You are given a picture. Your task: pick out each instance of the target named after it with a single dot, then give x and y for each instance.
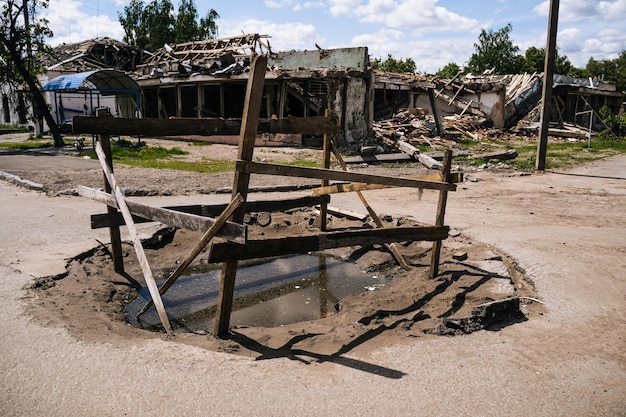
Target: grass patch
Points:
(558, 155)
(301, 162)
(29, 144)
(199, 143)
(205, 166)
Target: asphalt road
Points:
(567, 231)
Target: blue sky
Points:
(431, 32)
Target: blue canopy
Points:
(107, 82)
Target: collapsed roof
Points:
(214, 56)
(95, 54)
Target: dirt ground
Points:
(554, 240)
(90, 298)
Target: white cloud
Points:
(429, 55)
(576, 10)
(342, 7)
(422, 15)
(69, 24)
(284, 36)
(273, 4)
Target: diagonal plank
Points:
(198, 247)
(249, 167)
(233, 232)
(141, 256)
(391, 246)
(360, 186)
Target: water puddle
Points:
(282, 291)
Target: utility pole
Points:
(548, 79)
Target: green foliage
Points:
(150, 26)
(616, 124)
(23, 36)
(613, 70)
(450, 70)
(208, 25)
(24, 40)
(394, 65)
(495, 50)
(534, 60)
(27, 145)
(206, 166)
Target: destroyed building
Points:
(208, 79)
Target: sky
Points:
(431, 32)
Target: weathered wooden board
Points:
(333, 175)
(263, 248)
(359, 186)
(106, 220)
(202, 127)
(231, 231)
(379, 158)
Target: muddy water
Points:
(282, 291)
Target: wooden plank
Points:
(195, 251)
(333, 175)
(441, 212)
(499, 155)
(263, 248)
(455, 177)
(177, 126)
(141, 256)
(114, 231)
(105, 220)
(241, 182)
(424, 159)
(378, 159)
(346, 213)
(233, 232)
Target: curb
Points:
(19, 181)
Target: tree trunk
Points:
(41, 107)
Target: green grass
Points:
(205, 166)
(558, 154)
(124, 152)
(27, 145)
(8, 128)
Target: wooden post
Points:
(114, 231)
(548, 79)
(441, 212)
(433, 107)
(326, 164)
(141, 256)
(249, 124)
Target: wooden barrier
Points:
(239, 245)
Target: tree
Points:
(186, 27)
(22, 36)
(393, 65)
(613, 70)
(208, 26)
(150, 26)
(135, 28)
(496, 51)
(159, 19)
(534, 60)
(450, 70)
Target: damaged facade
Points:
(208, 79)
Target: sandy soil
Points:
(557, 238)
